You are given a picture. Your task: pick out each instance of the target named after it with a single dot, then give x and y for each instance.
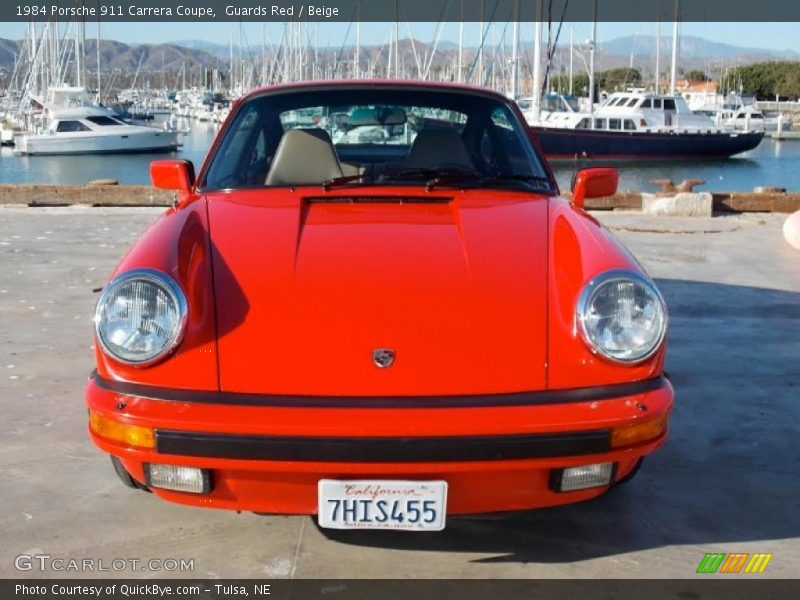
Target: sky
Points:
(769, 36)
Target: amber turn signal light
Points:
(122, 433)
(640, 432)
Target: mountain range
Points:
(690, 47)
(125, 57)
(638, 50)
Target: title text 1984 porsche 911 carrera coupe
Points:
(373, 306)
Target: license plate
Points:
(398, 505)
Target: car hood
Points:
(310, 285)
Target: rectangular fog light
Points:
(583, 477)
(179, 479)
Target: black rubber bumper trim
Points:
(382, 450)
(587, 394)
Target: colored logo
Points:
(735, 562)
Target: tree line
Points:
(611, 80)
(766, 80)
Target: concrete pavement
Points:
(727, 481)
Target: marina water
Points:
(771, 164)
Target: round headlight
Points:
(622, 316)
(140, 317)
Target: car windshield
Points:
(376, 136)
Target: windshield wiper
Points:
(431, 172)
(342, 180)
(443, 177)
(516, 177)
(412, 173)
(480, 179)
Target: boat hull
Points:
(560, 143)
(89, 143)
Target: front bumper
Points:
(497, 453)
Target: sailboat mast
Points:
(357, 52)
(480, 48)
(536, 97)
(98, 62)
(674, 49)
(515, 54)
(397, 40)
(571, 57)
(658, 55)
(77, 54)
(54, 78)
(390, 54)
(459, 70)
(263, 77)
(240, 67)
(592, 47)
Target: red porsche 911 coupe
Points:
(372, 305)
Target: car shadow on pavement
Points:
(729, 473)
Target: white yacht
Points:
(749, 118)
(635, 111)
(639, 125)
(706, 102)
(70, 124)
(552, 103)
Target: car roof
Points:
(398, 84)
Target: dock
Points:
(784, 135)
(111, 195)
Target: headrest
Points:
(434, 147)
(304, 157)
